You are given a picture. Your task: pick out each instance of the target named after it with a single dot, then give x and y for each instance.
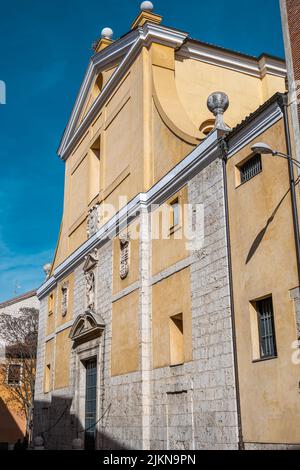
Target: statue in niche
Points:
(64, 299)
(90, 291)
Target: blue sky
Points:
(44, 50)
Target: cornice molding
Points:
(184, 171)
(272, 66)
(231, 60)
(98, 62)
(126, 50)
(256, 126)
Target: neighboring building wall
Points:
(13, 306)
(12, 419)
(290, 15)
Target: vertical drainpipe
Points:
(241, 445)
(283, 103)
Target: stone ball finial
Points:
(146, 6)
(107, 33)
(47, 268)
(217, 104)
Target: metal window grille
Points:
(90, 403)
(14, 374)
(266, 328)
(251, 168)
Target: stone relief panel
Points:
(64, 298)
(124, 255)
(93, 220)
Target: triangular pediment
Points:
(88, 325)
(90, 261)
(99, 81)
(102, 76)
(114, 61)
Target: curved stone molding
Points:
(170, 108)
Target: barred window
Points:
(266, 328)
(251, 168)
(14, 374)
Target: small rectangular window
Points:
(250, 168)
(175, 219)
(51, 304)
(176, 340)
(47, 385)
(266, 328)
(14, 374)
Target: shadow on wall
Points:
(259, 237)
(58, 426)
(10, 430)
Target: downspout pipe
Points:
(283, 103)
(241, 445)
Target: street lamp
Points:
(265, 149)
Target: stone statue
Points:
(64, 299)
(90, 291)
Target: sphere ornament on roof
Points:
(107, 33)
(217, 104)
(47, 268)
(146, 6)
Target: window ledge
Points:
(177, 365)
(263, 359)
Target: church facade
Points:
(169, 318)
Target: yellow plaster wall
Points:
(196, 80)
(170, 297)
(148, 124)
(125, 338)
(269, 389)
(133, 274)
(78, 190)
(121, 166)
(59, 318)
(166, 252)
(78, 235)
(49, 359)
(62, 359)
(12, 417)
(168, 150)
